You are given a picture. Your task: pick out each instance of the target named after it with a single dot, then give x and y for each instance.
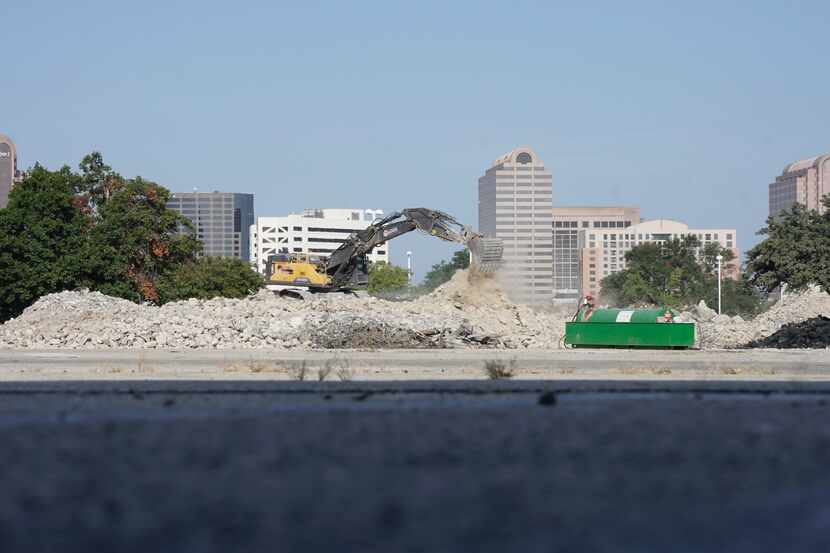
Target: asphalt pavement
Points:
(429, 465)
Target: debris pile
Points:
(812, 333)
(722, 331)
(460, 314)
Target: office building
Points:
(804, 182)
(602, 250)
(567, 224)
(514, 204)
(222, 220)
(8, 168)
(314, 231)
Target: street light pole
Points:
(719, 258)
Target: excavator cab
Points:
(296, 269)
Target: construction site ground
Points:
(396, 365)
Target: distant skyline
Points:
(686, 110)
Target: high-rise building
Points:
(567, 252)
(804, 182)
(222, 220)
(602, 250)
(514, 204)
(8, 168)
(314, 231)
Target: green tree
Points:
(386, 278)
(42, 237)
(93, 229)
(98, 181)
(796, 251)
(208, 277)
(678, 272)
(442, 272)
(136, 240)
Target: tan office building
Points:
(804, 182)
(567, 224)
(602, 251)
(514, 204)
(589, 243)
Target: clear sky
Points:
(687, 109)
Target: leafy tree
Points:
(98, 181)
(442, 272)
(209, 277)
(42, 236)
(136, 240)
(94, 229)
(678, 272)
(796, 251)
(386, 278)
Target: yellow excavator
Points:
(346, 268)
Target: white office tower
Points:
(514, 204)
(314, 231)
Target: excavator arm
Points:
(345, 261)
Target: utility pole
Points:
(719, 258)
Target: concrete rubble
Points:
(459, 314)
(722, 331)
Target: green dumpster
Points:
(628, 328)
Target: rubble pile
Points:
(723, 331)
(812, 333)
(461, 313)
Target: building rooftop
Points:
(805, 163)
(515, 156)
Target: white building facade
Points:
(603, 249)
(514, 204)
(314, 231)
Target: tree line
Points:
(93, 228)
(795, 252)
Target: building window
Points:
(584, 224)
(298, 228)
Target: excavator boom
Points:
(343, 262)
(346, 267)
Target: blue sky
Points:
(686, 109)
